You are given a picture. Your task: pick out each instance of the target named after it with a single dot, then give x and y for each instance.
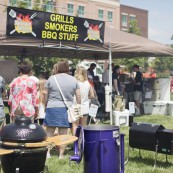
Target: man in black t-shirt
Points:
(90, 70)
(116, 81)
(138, 88)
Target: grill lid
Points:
(23, 130)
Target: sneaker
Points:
(96, 120)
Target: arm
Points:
(10, 94)
(115, 84)
(78, 96)
(45, 94)
(34, 93)
(91, 93)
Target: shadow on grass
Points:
(151, 161)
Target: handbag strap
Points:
(65, 101)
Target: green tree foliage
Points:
(133, 27)
(45, 64)
(37, 5)
(163, 66)
(142, 62)
(129, 62)
(22, 4)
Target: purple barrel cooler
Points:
(102, 147)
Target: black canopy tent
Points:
(117, 44)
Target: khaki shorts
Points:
(138, 96)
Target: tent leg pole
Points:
(110, 84)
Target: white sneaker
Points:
(96, 120)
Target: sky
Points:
(160, 18)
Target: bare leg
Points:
(74, 126)
(50, 132)
(137, 112)
(83, 121)
(62, 131)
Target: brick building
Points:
(110, 11)
(130, 13)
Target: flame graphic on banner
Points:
(23, 24)
(93, 31)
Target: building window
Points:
(110, 16)
(28, 3)
(100, 15)
(50, 6)
(124, 20)
(132, 17)
(13, 2)
(70, 8)
(81, 11)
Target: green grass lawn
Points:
(135, 163)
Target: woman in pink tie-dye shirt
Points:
(23, 98)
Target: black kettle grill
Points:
(25, 158)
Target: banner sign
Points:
(43, 25)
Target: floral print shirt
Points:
(23, 93)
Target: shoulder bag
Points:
(74, 111)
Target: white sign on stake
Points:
(131, 107)
(93, 110)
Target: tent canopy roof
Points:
(123, 45)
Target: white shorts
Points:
(138, 96)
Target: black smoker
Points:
(23, 159)
(151, 137)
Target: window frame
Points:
(124, 23)
(100, 16)
(50, 6)
(110, 19)
(70, 11)
(81, 12)
(132, 17)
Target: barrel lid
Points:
(101, 127)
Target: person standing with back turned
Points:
(87, 93)
(137, 88)
(23, 98)
(56, 110)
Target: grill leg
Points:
(128, 155)
(155, 160)
(166, 158)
